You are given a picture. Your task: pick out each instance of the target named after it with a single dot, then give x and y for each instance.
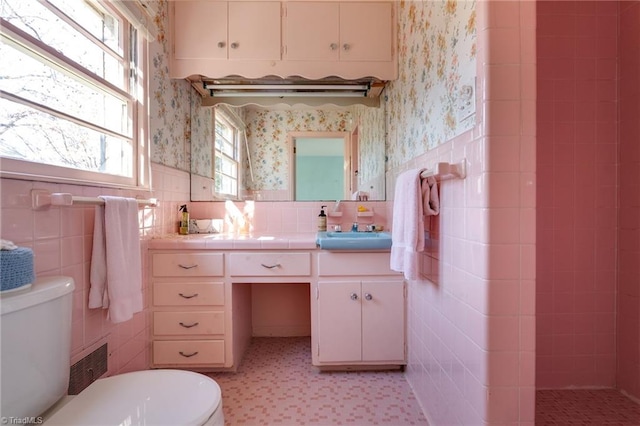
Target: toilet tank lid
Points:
(43, 290)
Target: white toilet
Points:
(35, 362)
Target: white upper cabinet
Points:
(312, 31)
(254, 30)
(349, 39)
(189, 40)
(327, 31)
(227, 30)
(366, 31)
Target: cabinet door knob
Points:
(235, 45)
(354, 296)
(368, 296)
(189, 325)
(188, 355)
(346, 46)
(188, 297)
(333, 46)
(221, 44)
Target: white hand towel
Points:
(116, 267)
(407, 233)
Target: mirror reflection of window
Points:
(227, 156)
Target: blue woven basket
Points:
(16, 268)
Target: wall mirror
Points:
(268, 167)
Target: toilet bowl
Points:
(34, 373)
(152, 397)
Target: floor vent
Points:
(87, 370)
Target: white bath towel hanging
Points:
(116, 267)
(407, 233)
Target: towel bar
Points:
(41, 199)
(444, 171)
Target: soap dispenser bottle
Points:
(322, 220)
(184, 220)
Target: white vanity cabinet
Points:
(358, 311)
(190, 318)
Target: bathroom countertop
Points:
(254, 241)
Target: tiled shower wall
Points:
(577, 193)
(628, 320)
(471, 323)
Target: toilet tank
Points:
(35, 333)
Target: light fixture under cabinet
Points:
(236, 90)
(287, 94)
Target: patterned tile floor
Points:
(601, 407)
(277, 385)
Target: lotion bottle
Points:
(322, 220)
(184, 220)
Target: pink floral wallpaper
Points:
(169, 111)
(371, 146)
(437, 55)
(201, 146)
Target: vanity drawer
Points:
(358, 264)
(188, 352)
(269, 264)
(188, 264)
(188, 294)
(188, 323)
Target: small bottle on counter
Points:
(184, 220)
(322, 220)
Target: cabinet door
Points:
(254, 30)
(366, 31)
(383, 313)
(312, 31)
(339, 321)
(200, 30)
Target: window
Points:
(227, 157)
(70, 92)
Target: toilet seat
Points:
(151, 397)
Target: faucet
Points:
(354, 227)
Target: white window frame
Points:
(227, 121)
(32, 170)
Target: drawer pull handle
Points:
(188, 355)
(277, 265)
(189, 325)
(354, 296)
(188, 297)
(368, 296)
(187, 267)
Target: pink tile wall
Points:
(577, 194)
(472, 317)
(61, 238)
(628, 319)
(291, 216)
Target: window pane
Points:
(31, 79)
(28, 134)
(229, 167)
(101, 25)
(41, 23)
(224, 130)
